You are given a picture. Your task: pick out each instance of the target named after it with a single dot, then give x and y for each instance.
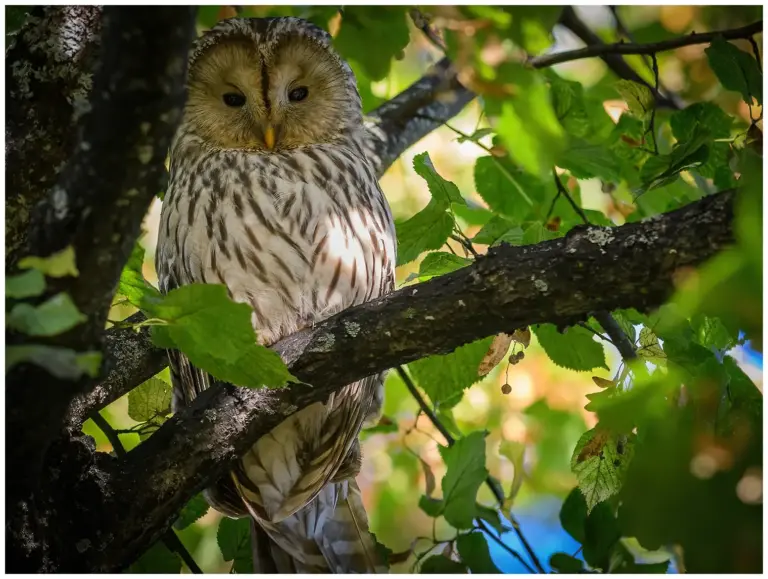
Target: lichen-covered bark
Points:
(560, 281)
(48, 74)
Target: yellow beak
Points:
(269, 137)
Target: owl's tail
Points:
(329, 535)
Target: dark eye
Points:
(298, 94)
(233, 99)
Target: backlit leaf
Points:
(575, 349)
(60, 264)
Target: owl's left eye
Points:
(233, 99)
(298, 94)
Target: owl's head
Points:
(265, 84)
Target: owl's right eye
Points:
(233, 99)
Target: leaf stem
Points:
(170, 538)
(492, 483)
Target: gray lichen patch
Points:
(539, 284)
(352, 328)
(600, 235)
(323, 343)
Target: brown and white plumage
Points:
(272, 196)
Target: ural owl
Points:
(271, 195)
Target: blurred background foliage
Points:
(694, 484)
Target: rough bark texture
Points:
(96, 205)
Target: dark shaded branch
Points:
(613, 60)
(511, 287)
(170, 538)
(418, 110)
(607, 50)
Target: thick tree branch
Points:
(418, 110)
(600, 50)
(561, 281)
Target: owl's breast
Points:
(297, 238)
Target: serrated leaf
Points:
(192, 511)
(625, 324)
(499, 230)
(711, 333)
(432, 507)
(157, 559)
(649, 347)
(444, 377)
(60, 264)
(234, 540)
(661, 170)
(428, 229)
(505, 188)
(444, 191)
(382, 27)
(150, 400)
(216, 335)
(736, 70)
(25, 285)
(441, 564)
(54, 316)
(132, 284)
(599, 461)
(474, 552)
(564, 563)
(638, 97)
(716, 120)
(465, 463)
(438, 263)
(497, 351)
(63, 363)
(575, 349)
(585, 161)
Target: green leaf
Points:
(528, 124)
(575, 349)
(234, 539)
(132, 284)
(473, 549)
(441, 564)
(737, 70)
(60, 264)
(62, 363)
(531, 27)
(444, 191)
(432, 507)
(438, 263)
(25, 285)
(505, 188)
(157, 559)
(192, 511)
(54, 316)
(499, 230)
(649, 347)
(573, 514)
(586, 161)
(663, 169)
(711, 333)
(716, 120)
(600, 461)
(465, 463)
(476, 136)
(625, 324)
(601, 535)
(564, 563)
(536, 233)
(216, 335)
(444, 377)
(372, 26)
(428, 229)
(555, 432)
(150, 400)
(638, 97)
(491, 516)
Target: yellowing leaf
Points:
(495, 354)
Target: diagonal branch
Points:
(511, 287)
(618, 48)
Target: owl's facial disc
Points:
(243, 96)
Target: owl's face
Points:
(250, 94)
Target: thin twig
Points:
(652, 124)
(484, 526)
(618, 337)
(492, 483)
(170, 538)
(422, 22)
(756, 50)
(595, 332)
(597, 50)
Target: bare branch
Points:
(651, 48)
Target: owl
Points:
(271, 195)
